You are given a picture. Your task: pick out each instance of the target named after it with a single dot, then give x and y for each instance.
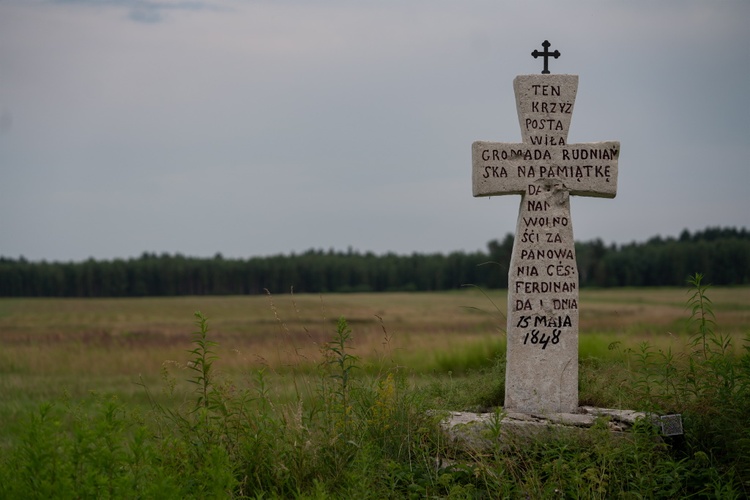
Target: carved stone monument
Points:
(542, 331)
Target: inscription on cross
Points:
(542, 329)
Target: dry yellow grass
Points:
(129, 337)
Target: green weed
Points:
(710, 386)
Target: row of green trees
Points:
(722, 255)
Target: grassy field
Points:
(75, 346)
(80, 345)
(121, 338)
(448, 345)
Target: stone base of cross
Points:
(542, 332)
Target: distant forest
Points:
(721, 254)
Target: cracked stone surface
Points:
(475, 430)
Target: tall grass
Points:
(351, 428)
(708, 382)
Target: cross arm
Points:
(509, 168)
(492, 169)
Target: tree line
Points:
(721, 254)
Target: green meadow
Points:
(318, 396)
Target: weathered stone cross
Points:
(542, 330)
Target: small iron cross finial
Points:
(546, 55)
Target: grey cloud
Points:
(146, 11)
(6, 122)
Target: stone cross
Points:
(542, 332)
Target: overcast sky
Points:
(253, 128)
